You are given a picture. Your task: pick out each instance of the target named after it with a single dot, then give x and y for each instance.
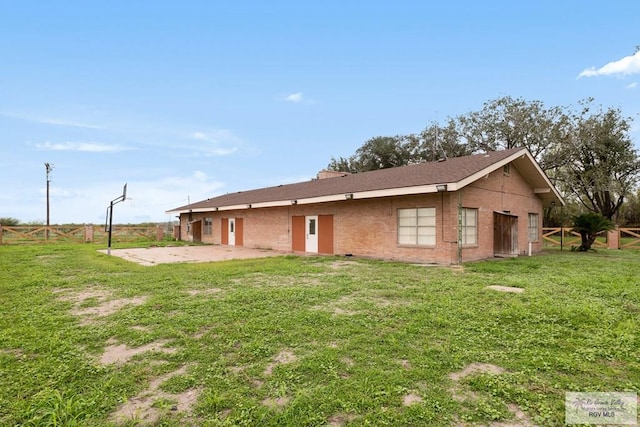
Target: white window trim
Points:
(429, 230)
(465, 227)
(536, 226)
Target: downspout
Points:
(460, 227)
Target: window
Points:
(208, 226)
(533, 227)
(469, 221)
(417, 226)
(506, 169)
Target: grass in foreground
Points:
(311, 340)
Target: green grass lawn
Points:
(311, 341)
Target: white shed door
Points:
(232, 231)
(311, 230)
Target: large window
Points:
(417, 226)
(208, 226)
(469, 226)
(533, 229)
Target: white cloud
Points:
(60, 122)
(625, 66)
(294, 97)
(632, 85)
(51, 121)
(219, 142)
(92, 147)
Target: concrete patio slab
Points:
(207, 253)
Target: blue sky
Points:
(187, 100)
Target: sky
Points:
(186, 100)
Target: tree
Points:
(436, 142)
(508, 122)
(629, 213)
(381, 152)
(8, 221)
(589, 225)
(587, 155)
(601, 165)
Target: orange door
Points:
(297, 234)
(224, 231)
(239, 231)
(325, 234)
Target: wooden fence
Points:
(25, 234)
(620, 238)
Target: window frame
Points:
(531, 226)
(465, 228)
(424, 234)
(207, 226)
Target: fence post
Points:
(159, 233)
(88, 233)
(613, 238)
(0, 234)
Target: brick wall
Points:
(369, 227)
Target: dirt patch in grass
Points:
(15, 352)
(105, 305)
(277, 402)
(202, 332)
(336, 307)
(510, 289)
(342, 312)
(79, 297)
(209, 291)
(340, 419)
(457, 268)
(108, 307)
(476, 368)
(411, 399)
(336, 265)
(261, 280)
(462, 394)
(281, 358)
(141, 407)
(121, 353)
(348, 361)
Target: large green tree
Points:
(436, 142)
(508, 122)
(600, 164)
(381, 152)
(588, 154)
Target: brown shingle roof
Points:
(448, 171)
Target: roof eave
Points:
(551, 197)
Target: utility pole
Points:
(48, 168)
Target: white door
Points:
(232, 231)
(311, 230)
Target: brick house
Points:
(460, 209)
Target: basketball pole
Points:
(110, 215)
